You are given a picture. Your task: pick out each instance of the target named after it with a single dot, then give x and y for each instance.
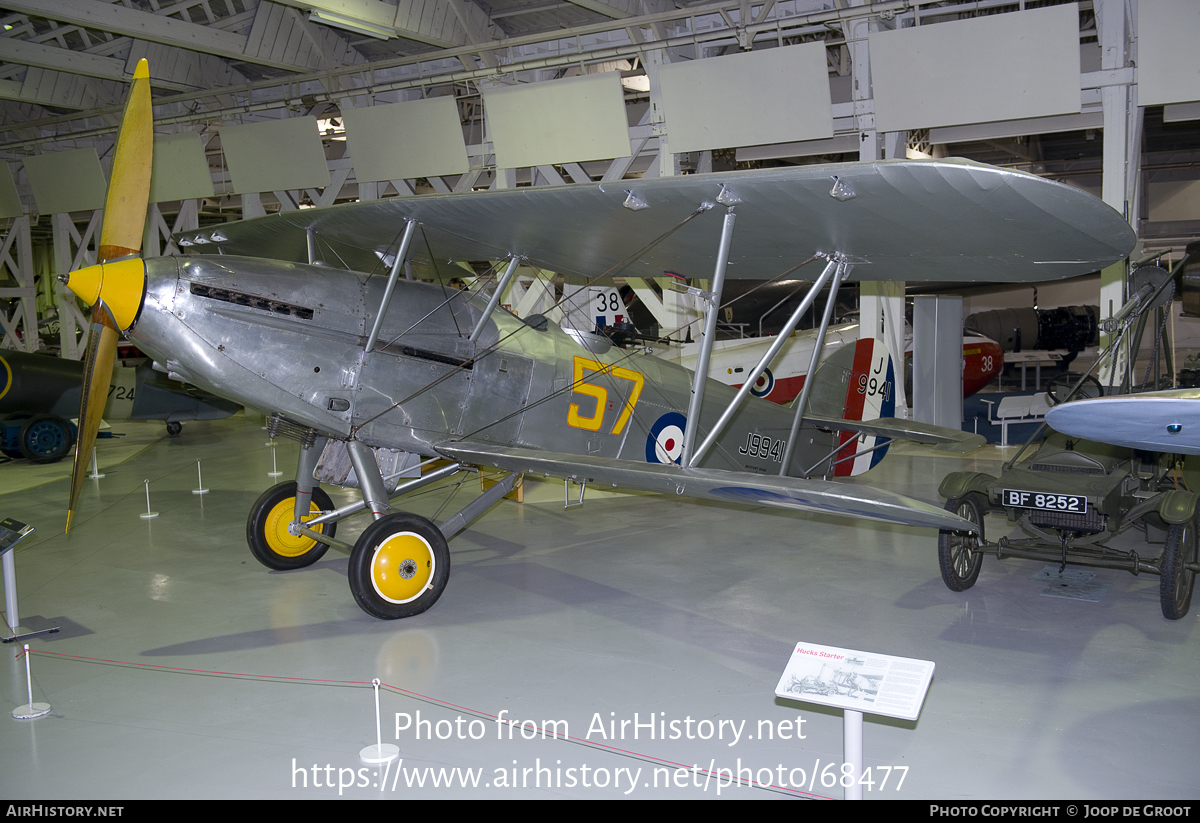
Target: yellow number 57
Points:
(580, 421)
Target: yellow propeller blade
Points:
(97, 375)
(121, 236)
(129, 187)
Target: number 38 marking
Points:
(577, 419)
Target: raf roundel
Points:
(763, 385)
(665, 441)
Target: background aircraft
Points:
(369, 372)
(983, 359)
(39, 394)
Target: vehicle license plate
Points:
(1042, 500)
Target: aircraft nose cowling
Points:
(121, 284)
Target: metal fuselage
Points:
(289, 338)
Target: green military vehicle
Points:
(1070, 498)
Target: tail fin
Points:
(856, 383)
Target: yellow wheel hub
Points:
(281, 541)
(402, 567)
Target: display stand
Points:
(379, 752)
(149, 515)
(13, 532)
(199, 481)
(96, 473)
(857, 682)
(29, 710)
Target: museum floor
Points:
(186, 669)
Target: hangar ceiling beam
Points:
(60, 59)
(441, 23)
(263, 46)
(174, 69)
(114, 58)
(620, 9)
(42, 87)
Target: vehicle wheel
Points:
(174, 428)
(958, 552)
(45, 439)
(1060, 385)
(267, 529)
(1177, 581)
(399, 566)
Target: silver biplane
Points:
(306, 314)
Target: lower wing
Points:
(749, 489)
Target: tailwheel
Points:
(267, 529)
(399, 566)
(1177, 581)
(958, 552)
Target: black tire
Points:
(174, 428)
(1060, 385)
(267, 534)
(45, 438)
(399, 567)
(1177, 581)
(958, 554)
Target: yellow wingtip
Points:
(142, 72)
(68, 528)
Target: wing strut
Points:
(765, 361)
(509, 271)
(843, 268)
(706, 341)
(401, 253)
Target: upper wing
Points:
(757, 490)
(907, 220)
(1164, 421)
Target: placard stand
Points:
(13, 532)
(857, 682)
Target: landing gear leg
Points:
(305, 483)
(370, 481)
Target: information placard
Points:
(862, 681)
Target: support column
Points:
(1121, 160)
(869, 144)
(71, 251)
(535, 297)
(156, 239)
(252, 206)
(668, 165)
(937, 360)
(676, 313)
(18, 327)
